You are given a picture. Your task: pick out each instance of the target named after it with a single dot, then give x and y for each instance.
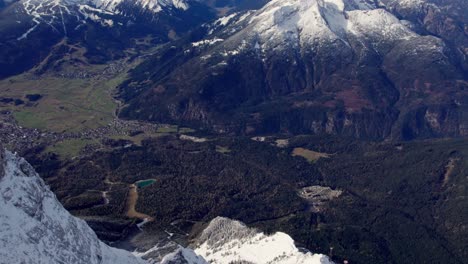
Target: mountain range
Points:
(103, 29)
(390, 69)
(366, 69)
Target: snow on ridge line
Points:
(110, 5)
(323, 20)
(152, 5)
(410, 3)
(51, 12)
(208, 42)
(225, 241)
(183, 255)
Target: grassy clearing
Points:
(67, 104)
(310, 155)
(30, 119)
(137, 140)
(71, 147)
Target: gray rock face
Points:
(2, 157)
(35, 228)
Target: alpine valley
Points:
(233, 131)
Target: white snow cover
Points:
(208, 42)
(410, 3)
(225, 241)
(223, 21)
(153, 5)
(324, 21)
(52, 12)
(110, 5)
(35, 228)
(183, 255)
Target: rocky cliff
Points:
(35, 228)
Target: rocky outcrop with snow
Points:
(313, 24)
(183, 256)
(34, 7)
(151, 5)
(35, 228)
(58, 13)
(227, 241)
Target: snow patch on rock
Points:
(227, 241)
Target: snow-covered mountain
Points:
(356, 67)
(151, 5)
(39, 9)
(183, 256)
(35, 228)
(227, 241)
(29, 29)
(318, 23)
(62, 15)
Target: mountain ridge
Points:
(226, 241)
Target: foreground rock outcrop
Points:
(227, 241)
(35, 228)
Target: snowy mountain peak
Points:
(35, 228)
(151, 5)
(183, 256)
(227, 241)
(66, 16)
(107, 5)
(323, 21)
